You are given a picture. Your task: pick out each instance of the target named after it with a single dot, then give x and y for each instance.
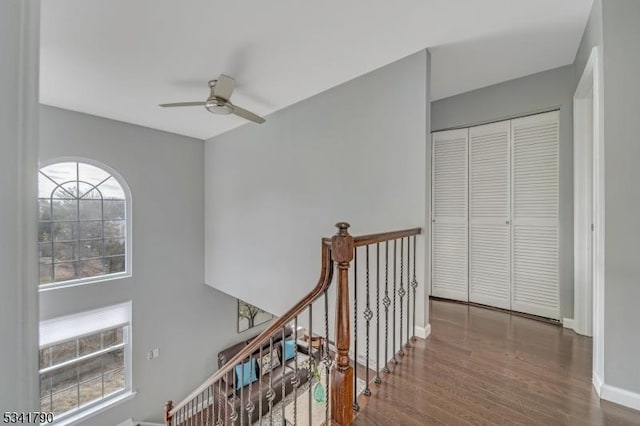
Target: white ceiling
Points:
(120, 58)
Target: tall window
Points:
(85, 360)
(82, 232)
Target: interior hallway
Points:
(481, 366)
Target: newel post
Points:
(341, 382)
(167, 412)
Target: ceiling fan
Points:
(219, 102)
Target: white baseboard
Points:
(597, 383)
(620, 396)
(569, 323)
(131, 422)
(423, 332)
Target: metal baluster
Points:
(294, 379)
(356, 406)
(395, 275)
(408, 342)
(220, 401)
(386, 302)
(271, 393)
(204, 412)
(401, 291)
(414, 286)
(234, 416)
(378, 379)
(210, 406)
(201, 405)
(241, 405)
(226, 401)
(368, 315)
(250, 406)
(326, 360)
(311, 359)
(260, 390)
(283, 388)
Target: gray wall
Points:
(18, 157)
(551, 89)
(622, 198)
(355, 152)
(172, 309)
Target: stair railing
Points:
(240, 393)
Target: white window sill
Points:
(83, 281)
(83, 415)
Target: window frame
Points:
(113, 398)
(128, 256)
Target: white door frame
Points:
(588, 151)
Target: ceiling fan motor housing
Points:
(218, 106)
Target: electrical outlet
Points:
(155, 353)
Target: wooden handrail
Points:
(338, 250)
(326, 275)
(365, 240)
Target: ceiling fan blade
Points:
(224, 87)
(182, 104)
(241, 112)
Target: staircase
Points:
(318, 381)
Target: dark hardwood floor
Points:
(480, 366)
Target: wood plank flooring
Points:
(486, 367)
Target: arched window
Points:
(83, 230)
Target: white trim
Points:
(589, 201)
(584, 140)
(620, 396)
(597, 383)
(132, 422)
(569, 323)
(128, 258)
(83, 281)
(27, 212)
(84, 415)
(423, 332)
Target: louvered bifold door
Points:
(449, 227)
(535, 249)
(489, 213)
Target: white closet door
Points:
(489, 212)
(449, 228)
(535, 249)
